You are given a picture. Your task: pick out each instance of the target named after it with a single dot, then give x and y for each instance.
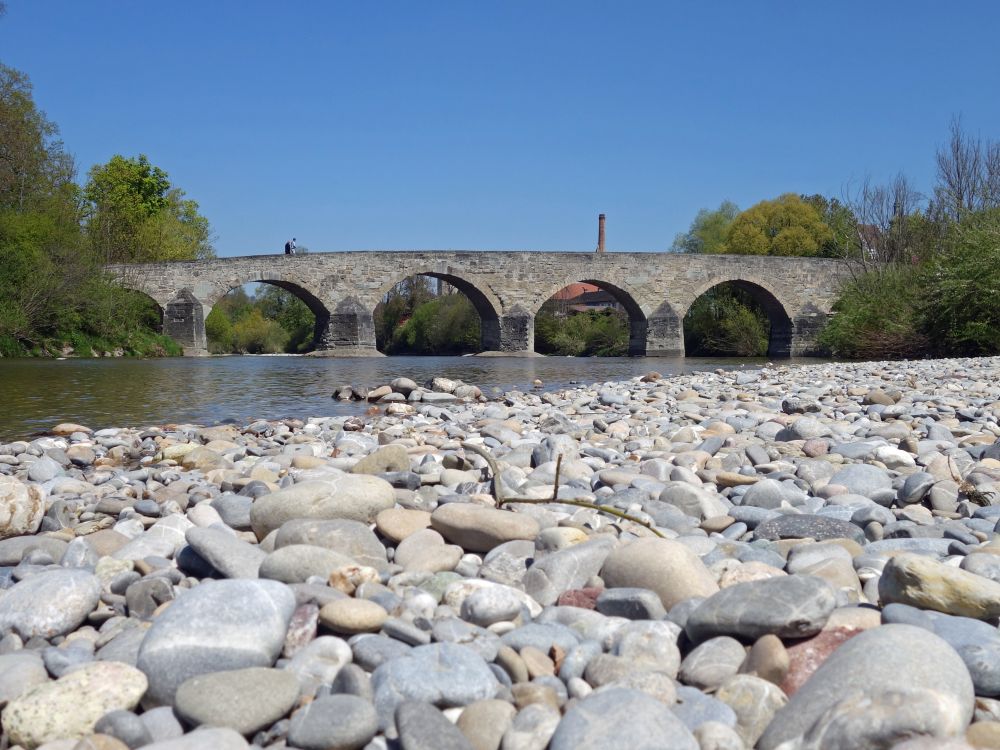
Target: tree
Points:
(845, 242)
(968, 175)
(890, 224)
(134, 215)
(708, 230)
(34, 167)
(786, 225)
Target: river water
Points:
(37, 394)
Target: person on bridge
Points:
(290, 247)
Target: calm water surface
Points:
(37, 394)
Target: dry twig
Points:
(504, 500)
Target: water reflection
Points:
(37, 394)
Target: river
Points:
(40, 393)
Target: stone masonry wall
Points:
(507, 289)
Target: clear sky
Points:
(503, 125)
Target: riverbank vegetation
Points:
(421, 315)
(56, 234)
(268, 321)
(926, 267)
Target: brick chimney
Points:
(600, 233)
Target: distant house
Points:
(573, 290)
(596, 300)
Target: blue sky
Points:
(503, 125)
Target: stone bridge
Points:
(506, 288)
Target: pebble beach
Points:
(784, 558)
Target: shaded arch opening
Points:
(737, 318)
(435, 313)
(591, 317)
(265, 316)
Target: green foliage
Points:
(708, 230)
(594, 333)
(876, 317)
(444, 325)
(960, 305)
(272, 320)
(134, 215)
(255, 334)
(844, 241)
(726, 321)
(787, 225)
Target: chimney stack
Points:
(600, 233)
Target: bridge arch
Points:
(485, 302)
(624, 293)
(764, 294)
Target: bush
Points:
(726, 321)
(445, 325)
(594, 333)
(959, 309)
(254, 334)
(876, 317)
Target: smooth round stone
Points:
(789, 607)
(126, 726)
(49, 603)
(423, 727)
(334, 722)
(229, 555)
(804, 525)
(350, 538)
(398, 523)
(356, 497)
(246, 700)
(319, 662)
(767, 659)
(569, 568)
(712, 662)
(444, 674)
(754, 701)
(694, 708)
(620, 717)
(351, 616)
(925, 583)
(205, 738)
(21, 507)
(385, 459)
(977, 642)
(71, 706)
(216, 626)
(667, 567)
(532, 728)
(296, 563)
(862, 479)
(491, 604)
(19, 672)
(876, 663)
(484, 722)
(477, 528)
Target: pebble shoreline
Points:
(816, 568)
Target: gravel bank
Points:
(803, 558)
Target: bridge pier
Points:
(349, 329)
(184, 322)
(805, 334)
(516, 333)
(664, 333)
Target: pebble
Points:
(352, 582)
(70, 706)
(242, 699)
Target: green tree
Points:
(708, 231)
(726, 321)
(134, 215)
(786, 225)
(291, 313)
(844, 241)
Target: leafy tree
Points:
(291, 313)
(34, 167)
(255, 334)
(708, 230)
(845, 240)
(134, 215)
(786, 225)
